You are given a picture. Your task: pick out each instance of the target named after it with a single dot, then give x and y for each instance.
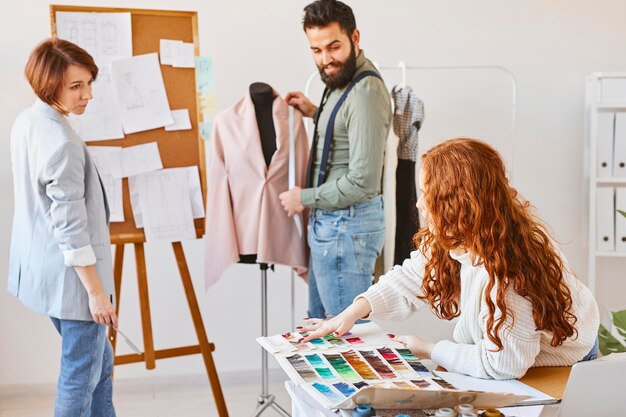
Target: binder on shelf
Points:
(605, 139)
(605, 218)
(619, 147)
(613, 90)
(620, 221)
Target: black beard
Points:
(345, 74)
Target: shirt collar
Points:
(360, 60)
(463, 258)
(48, 110)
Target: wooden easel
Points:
(150, 355)
(177, 149)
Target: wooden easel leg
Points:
(205, 347)
(117, 276)
(144, 303)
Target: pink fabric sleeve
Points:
(220, 240)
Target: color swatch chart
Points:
(334, 368)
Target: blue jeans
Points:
(344, 246)
(85, 387)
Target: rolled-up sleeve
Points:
(63, 178)
(395, 295)
(520, 339)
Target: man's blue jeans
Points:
(344, 246)
(85, 386)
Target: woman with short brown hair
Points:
(60, 263)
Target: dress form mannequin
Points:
(262, 96)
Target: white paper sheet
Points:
(113, 189)
(107, 37)
(165, 205)
(141, 158)
(108, 159)
(119, 162)
(188, 174)
(101, 120)
(181, 120)
(184, 55)
(140, 93)
(167, 49)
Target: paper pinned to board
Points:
(181, 120)
(188, 175)
(108, 160)
(205, 75)
(164, 202)
(184, 55)
(107, 37)
(206, 129)
(101, 119)
(113, 189)
(119, 162)
(177, 53)
(205, 88)
(207, 102)
(167, 49)
(142, 158)
(140, 93)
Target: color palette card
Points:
(343, 360)
(329, 394)
(365, 363)
(366, 334)
(291, 342)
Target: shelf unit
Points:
(605, 93)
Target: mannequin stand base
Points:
(264, 402)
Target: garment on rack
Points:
(407, 216)
(407, 119)
(408, 116)
(389, 203)
(244, 214)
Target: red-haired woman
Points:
(60, 263)
(484, 261)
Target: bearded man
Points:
(346, 222)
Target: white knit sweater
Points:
(471, 352)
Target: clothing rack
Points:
(403, 68)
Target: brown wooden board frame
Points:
(177, 148)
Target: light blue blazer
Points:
(61, 216)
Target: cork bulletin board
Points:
(179, 148)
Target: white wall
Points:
(549, 45)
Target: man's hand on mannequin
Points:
(298, 100)
(291, 201)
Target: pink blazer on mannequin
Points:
(244, 214)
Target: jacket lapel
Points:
(280, 113)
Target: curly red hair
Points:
(473, 206)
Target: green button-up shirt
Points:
(357, 149)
